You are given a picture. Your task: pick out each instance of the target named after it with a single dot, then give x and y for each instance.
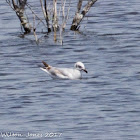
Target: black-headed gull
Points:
(65, 73)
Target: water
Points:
(104, 105)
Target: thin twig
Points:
(63, 9)
(28, 5)
(55, 20)
(47, 16)
(9, 3)
(43, 10)
(67, 16)
(34, 30)
(14, 5)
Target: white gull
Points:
(65, 73)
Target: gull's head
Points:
(80, 66)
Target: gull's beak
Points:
(85, 70)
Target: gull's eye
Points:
(79, 67)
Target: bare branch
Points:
(34, 31)
(87, 7)
(43, 10)
(22, 3)
(67, 16)
(14, 5)
(63, 8)
(9, 3)
(79, 5)
(20, 13)
(55, 20)
(78, 17)
(47, 16)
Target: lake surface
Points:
(104, 105)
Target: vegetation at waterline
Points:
(52, 16)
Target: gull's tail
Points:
(46, 68)
(45, 64)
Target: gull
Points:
(65, 73)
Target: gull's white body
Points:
(64, 73)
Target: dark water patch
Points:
(16, 107)
(113, 34)
(5, 74)
(88, 99)
(121, 51)
(80, 50)
(41, 120)
(108, 110)
(102, 49)
(51, 95)
(124, 91)
(99, 83)
(27, 102)
(134, 111)
(132, 13)
(68, 48)
(133, 56)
